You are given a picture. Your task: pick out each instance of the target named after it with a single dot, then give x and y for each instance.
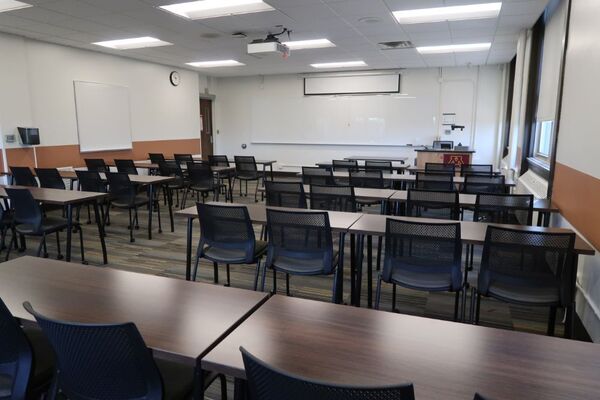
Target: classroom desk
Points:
(264, 163)
(340, 222)
(376, 158)
(395, 166)
(67, 199)
(472, 233)
(444, 360)
(179, 320)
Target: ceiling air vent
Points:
(402, 44)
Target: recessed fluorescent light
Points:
(133, 43)
(454, 48)
(11, 5)
(453, 13)
(308, 44)
(217, 63)
(343, 64)
(216, 8)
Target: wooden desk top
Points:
(444, 360)
(543, 205)
(365, 193)
(179, 319)
(450, 151)
(56, 196)
(139, 179)
(471, 232)
(375, 158)
(263, 162)
(339, 221)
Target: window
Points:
(543, 139)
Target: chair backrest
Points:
(345, 165)
(183, 158)
(440, 168)
(227, 227)
(417, 246)
(101, 361)
(121, 188)
(332, 198)
(218, 160)
(91, 181)
(535, 257)
(434, 181)
(96, 164)
(433, 204)
(475, 184)
(285, 194)
(268, 383)
(504, 208)
(201, 175)
(170, 168)
(27, 210)
(384, 166)
(245, 166)
(15, 354)
(300, 235)
(23, 176)
(476, 169)
(317, 176)
(367, 179)
(50, 178)
(156, 158)
(443, 144)
(126, 166)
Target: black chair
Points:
(383, 166)
(345, 165)
(227, 236)
(126, 166)
(181, 181)
(443, 144)
(50, 178)
(102, 361)
(6, 223)
(218, 161)
(96, 164)
(156, 158)
(29, 220)
(433, 204)
(372, 179)
(246, 170)
(475, 184)
(422, 256)
(124, 194)
(222, 161)
(26, 359)
(317, 176)
(504, 208)
(333, 198)
(437, 168)
(527, 268)
(201, 181)
(91, 181)
(300, 243)
(285, 194)
(434, 181)
(23, 176)
(476, 169)
(269, 383)
(183, 159)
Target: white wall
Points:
(36, 89)
(235, 98)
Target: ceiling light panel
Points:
(342, 64)
(216, 8)
(11, 5)
(453, 13)
(454, 48)
(133, 43)
(309, 44)
(216, 63)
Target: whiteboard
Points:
(389, 83)
(103, 116)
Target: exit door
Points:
(206, 134)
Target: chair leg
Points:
(197, 262)
(158, 215)
(60, 256)
(378, 293)
(393, 297)
(136, 220)
(287, 284)
(131, 238)
(274, 282)
(264, 277)
(81, 246)
(379, 246)
(456, 301)
(228, 275)
(551, 321)
(256, 275)
(477, 307)
(184, 200)
(223, 382)
(215, 272)
(89, 220)
(41, 245)
(13, 242)
(256, 192)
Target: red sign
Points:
(457, 159)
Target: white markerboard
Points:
(356, 84)
(103, 116)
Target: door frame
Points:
(212, 98)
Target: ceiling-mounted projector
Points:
(270, 45)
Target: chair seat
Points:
(43, 358)
(525, 291)
(299, 266)
(233, 256)
(50, 224)
(432, 278)
(248, 177)
(5, 386)
(138, 201)
(367, 201)
(203, 188)
(178, 379)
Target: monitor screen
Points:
(29, 136)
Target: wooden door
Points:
(206, 135)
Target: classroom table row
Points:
(204, 325)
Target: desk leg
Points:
(360, 240)
(150, 208)
(100, 223)
(188, 250)
(69, 230)
(570, 315)
(352, 268)
(370, 271)
(170, 205)
(339, 282)
(198, 391)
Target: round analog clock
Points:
(175, 78)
